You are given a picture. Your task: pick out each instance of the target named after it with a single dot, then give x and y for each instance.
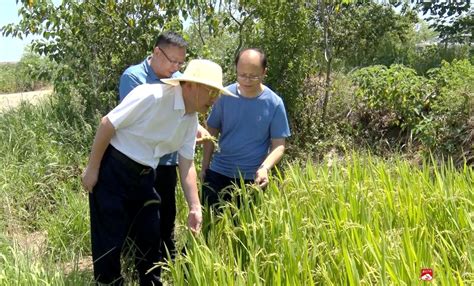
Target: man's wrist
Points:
(195, 208)
(264, 167)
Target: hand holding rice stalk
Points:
(211, 139)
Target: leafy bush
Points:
(397, 106)
(425, 58)
(311, 134)
(32, 72)
(391, 101)
(7, 78)
(451, 106)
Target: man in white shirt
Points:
(153, 120)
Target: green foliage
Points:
(32, 72)
(452, 19)
(394, 103)
(94, 41)
(397, 90)
(422, 59)
(350, 221)
(451, 106)
(286, 35)
(369, 34)
(8, 78)
(313, 135)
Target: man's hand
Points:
(261, 177)
(202, 175)
(202, 135)
(195, 219)
(89, 178)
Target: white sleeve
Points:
(189, 145)
(133, 106)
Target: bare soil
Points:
(12, 100)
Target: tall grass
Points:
(43, 210)
(357, 221)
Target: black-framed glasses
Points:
(180, 64)
(248, 77)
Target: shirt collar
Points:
(149, 71)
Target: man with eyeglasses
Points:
(252, 130)
(168, 57)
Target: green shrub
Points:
(390, 103)
(425, 58)
(397, 107)
(310, 134)
(451, 106)
(7, 78)
(32, 72)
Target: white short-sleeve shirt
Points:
(151, 122)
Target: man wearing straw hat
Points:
(153, 120)
(166, 60)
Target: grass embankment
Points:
(358, 221)
(44, 215)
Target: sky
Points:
(11, 49)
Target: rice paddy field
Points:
(349, 220)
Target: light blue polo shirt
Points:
(137, 75)
(246, 126)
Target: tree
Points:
(370, 33)
(454, 20)
(281, 30)
(93, 41)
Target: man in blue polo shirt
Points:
(168, 57)
(252, 129)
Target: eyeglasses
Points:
(213, 92)
(180, 64)
(248, 77)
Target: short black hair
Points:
(263, 57)
(170, 38)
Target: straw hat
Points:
(203, 72)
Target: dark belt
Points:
(129, 163)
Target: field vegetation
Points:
(377, 182)
(32, 72)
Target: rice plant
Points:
(359, 220)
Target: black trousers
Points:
(124, 210)
(216, 186)
(165, 185)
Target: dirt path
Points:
(12, 100)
